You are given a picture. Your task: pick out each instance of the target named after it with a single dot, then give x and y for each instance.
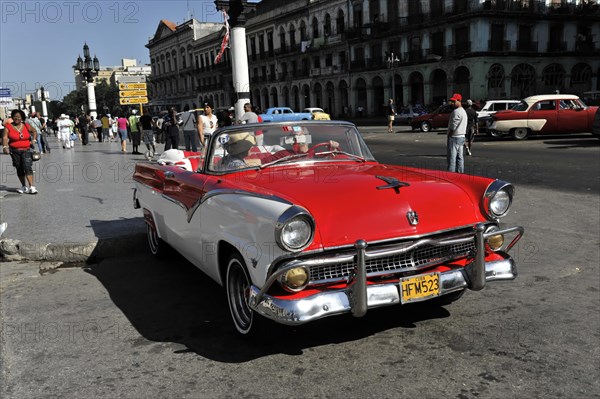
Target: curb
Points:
(17, 250)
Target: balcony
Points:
(459, 49)
(315, 72)
(358, 64)
(438, 51)
(499, 45)
(414, 55)
(527, 46)
(555, 47)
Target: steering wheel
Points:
(329, 146)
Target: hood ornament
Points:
(413, 218)
(392, 182)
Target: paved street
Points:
(134, 327)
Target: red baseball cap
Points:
(456, 97)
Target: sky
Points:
(41, 40)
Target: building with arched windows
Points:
(342, 54)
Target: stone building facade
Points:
(341, 54)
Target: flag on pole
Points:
(225, 42)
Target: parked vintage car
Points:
(596, 126)
(309, 225)
(318, 114)
(484, 115)
(544, 114)
(433, 120)
(285, 114)
(407, 114)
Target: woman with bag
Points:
(17, 140)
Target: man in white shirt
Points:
(65, 127)
(457, 129)
(207, 123)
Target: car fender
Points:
(247, 223)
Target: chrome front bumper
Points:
(358, 296)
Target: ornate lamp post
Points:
(236, 11)
(88, 68)
(43, 100)
(392, 63)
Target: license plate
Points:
(419, 288)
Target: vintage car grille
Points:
(420, 257)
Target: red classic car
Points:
(433, 120)
(544, 114)
(298, 222)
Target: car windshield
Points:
(260, 146)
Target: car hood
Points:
(349, 201)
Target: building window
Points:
(340, 22)
(292, 36)
(282, 39)
(315, 28)
(327, 26)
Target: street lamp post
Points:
(88, 68)
(43, 99)
(392, 63)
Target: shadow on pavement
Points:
(175, 302)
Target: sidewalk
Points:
(83, 209)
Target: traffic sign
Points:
(133, 100)
(133, 93)
(132, 86)
(4, 92)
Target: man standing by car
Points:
(472, 125)
(457, 129)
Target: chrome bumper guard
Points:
(358, 296)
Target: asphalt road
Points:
(137, 328)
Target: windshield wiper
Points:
(335, 152)
(284, 159)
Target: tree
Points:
(106, 96)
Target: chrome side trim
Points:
(330, 303)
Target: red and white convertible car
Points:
(298, 221)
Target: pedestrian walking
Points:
(34, 122)
(207, 122)
(105, 127)
(160, 133)
(44, 138)
(136, 135)
(391, 115)
(146, 123)
(84, 129)
(171, 126)
(97, 124)
(472, 125)
(122, 123)
(249, 116)
(17, 140)
(190, 130)
(65, 128)
(114, 128)
(457, 129)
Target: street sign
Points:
(133, 93)
(4, 92)
(132, 86)
(133, 100)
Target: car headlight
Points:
(497, 199)
(294, 230)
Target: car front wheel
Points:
(238, 295)
(425, 127)
(520, 133)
